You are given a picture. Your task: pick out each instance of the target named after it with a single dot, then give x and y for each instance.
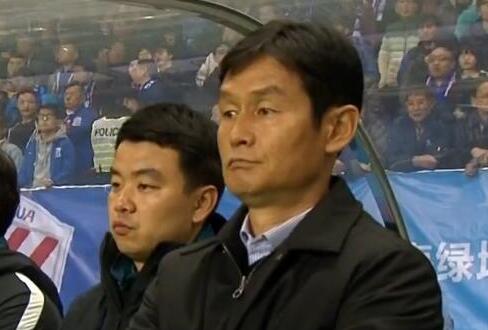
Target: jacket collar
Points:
(324, 228)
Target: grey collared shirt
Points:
(263, 245)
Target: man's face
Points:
(15, 66)
(406, 8)
(427, 31)
(116, 53)
(440, 63)
(67, 54)
(267, 138)
(137, 71)
(73, 97)
(467, 61)
(419, 106)
(27, 105)
(47, 121)
(148, 203)
(480, 101)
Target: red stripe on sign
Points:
(43, 250)
(17, 238)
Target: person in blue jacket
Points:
(79, 120)
(49, 155)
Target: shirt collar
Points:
(276, 235)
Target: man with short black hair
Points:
(28, 298)
(301, 253)
(28, 106)
(166, 183)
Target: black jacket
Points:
(110, 304)
(404, 144)
(25, 291)
(470, 133)
(337, 270)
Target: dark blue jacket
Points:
(404, 144)
(63, 161)
(78, 128)
(154, 91)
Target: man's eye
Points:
(146, 187)
(229, 114)
(265, 111)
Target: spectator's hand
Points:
(428, 162)
(471, 168)
(478, 152)
(131, 104)
(46, 183)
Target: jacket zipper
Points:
(244, 280)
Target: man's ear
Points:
(339, 126)
(205, 202)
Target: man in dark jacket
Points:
(301, 253)
(28, 298)
(419, 139)
(166, 182)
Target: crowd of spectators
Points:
(65, 91)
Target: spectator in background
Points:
(399, 38)
(67, 56)
(49, 157)
(419, 140)
(26, 46)
(413, 68)
(469, 70)
(144, 54)
(103, 136)
(449, 11)
(150, 90)
(211, 63)
(441, 79)
(478, 33)
(166, 182)
(28, 298)
(472, 131)
(466, 19)
(16, 66)
(28, 106)
(8, 148)
(469, 62)
(79, 120)
(366, 52)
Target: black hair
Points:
(424, 19)
(28, 90)
(412, 89)
(448, 42)
(75, 83)
(9, 192)
(55, 109)
(188, 132)
(327, 63)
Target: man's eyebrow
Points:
(267, 90)
(149, 172)
(144, 171)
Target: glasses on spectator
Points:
(432, 59)
(45, 117)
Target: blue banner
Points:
(446, 214)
